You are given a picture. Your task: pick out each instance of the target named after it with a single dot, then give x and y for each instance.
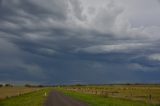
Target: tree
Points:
(1, 85)
(8, 85)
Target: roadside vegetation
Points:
(35, 98)
(115, 95)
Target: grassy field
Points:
(6, 92)
(94, 100)
(113, 95)
(116, 95)
(35, 98)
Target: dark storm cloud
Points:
(28, 8)
(58, 42)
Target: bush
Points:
(28, 85)
(34, 86)
(8, 85)
(1, 85)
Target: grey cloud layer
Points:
(49, 39)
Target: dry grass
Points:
(6, 92)
(36, 98)
(144, 93)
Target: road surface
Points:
(58, 99)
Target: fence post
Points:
(150, 98)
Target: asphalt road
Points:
(58, 99)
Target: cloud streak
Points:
(114, 48)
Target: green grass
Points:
(36, 98)
(94, 100)
(144, 93)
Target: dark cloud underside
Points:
(72, 41)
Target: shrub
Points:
(1, 85)
(8, 85)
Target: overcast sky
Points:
(79, 41)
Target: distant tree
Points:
(40, 86)
(1, 85)
(128, 84)
(8, 85)
(78, 85)
(28, 85)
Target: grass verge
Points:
(36, 98)
(94, 100)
